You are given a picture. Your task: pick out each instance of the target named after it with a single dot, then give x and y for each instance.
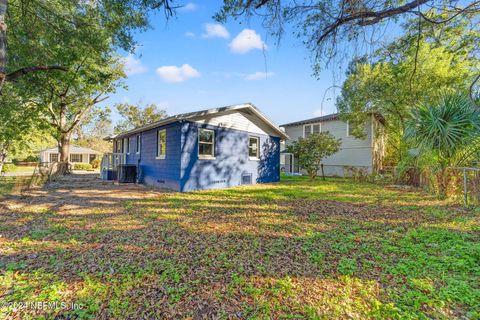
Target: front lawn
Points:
(297, 249)
(13, 184)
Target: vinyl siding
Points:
(354, 152)
(163, 173)
(238, 120)
(231, 160)
(182, 170)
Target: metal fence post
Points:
(465, 187)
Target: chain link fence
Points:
(462, 184)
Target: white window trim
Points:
(128, 145)
(138, 143)
(311, 128)
(161, 156)
(348, 129)
(75, 155)
(257, 158)
(203, 156)
(307, 125)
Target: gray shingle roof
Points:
(328, 117)
(73, 149)
(199, 114)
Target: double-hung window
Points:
(349, 129)
(206, 143)
(161, 144)
(127, 145)
(53, 157)
(138, 143)
(253, 147)
(308, 129)
(75, 157)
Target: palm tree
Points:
(449, 131)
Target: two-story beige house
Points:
(366, 154)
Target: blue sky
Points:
(191, 63)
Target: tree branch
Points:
(367, 18)
(13, 76)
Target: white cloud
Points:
(133, 66)
(318, 113)
(177, 74)
(190, 34)
(259, 75)
(214, 30)
(188, 7)
(245, 41)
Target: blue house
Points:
(215, 148)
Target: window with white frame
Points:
(206, 143)
(119, 146)
(253, 147)
(138, 143)
(127, 145)
(161, 144)
(308, 129)
(53, 157)
(75, 157)
(349, 130)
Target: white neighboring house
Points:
(77, 154)
(366, 154)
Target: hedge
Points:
(82, 166)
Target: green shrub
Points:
(31, 158)
(95, 163)
(82, 166)
(9, 167)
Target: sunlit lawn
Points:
(10, 185)
(291, 250)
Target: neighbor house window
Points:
(53, 157)
(161, 144)
(253, 147)
(308, 129)
(349, 130)
(206, 143)
(138, 143)
(75, 157)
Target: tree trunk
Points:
(64, 153)
(441, 182)
(3, 43)
(3, 156)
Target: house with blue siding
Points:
(214, 148)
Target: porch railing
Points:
(110, 163)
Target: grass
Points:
(23, 169)
(10, 185)
(297, 249)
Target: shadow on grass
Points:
(293, 249)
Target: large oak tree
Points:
(47, 24)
